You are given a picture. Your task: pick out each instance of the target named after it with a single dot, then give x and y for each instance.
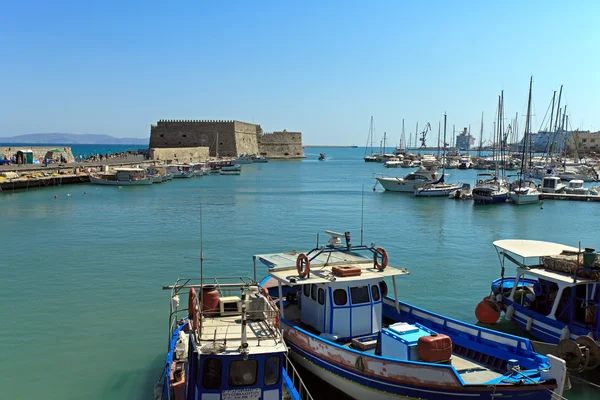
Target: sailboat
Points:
(525, 191)
(491, 188)
(372, 157)
(438, 188)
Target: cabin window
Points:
(313, 292)
(243, 372)
(359, 295)
(211, 374)
(375, 292)
(272, 370)
(306, 290)
(321, 296)
(340, 298)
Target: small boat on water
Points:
(554, 297)
(525, 191)
(225, 342)
(414, 180)
(437, 189)
(235, 169)
(181, 171)
(122, 177)
(340, 324)
(490, 189)
(465, 163)
(576, 186)
(322, 157)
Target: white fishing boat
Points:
(552, 184)
(122, 177)
(576, 186)
(393, 163)
(340, 324)
(415, 180)
(181, 171)
(243, 159)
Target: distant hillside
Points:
(70, 138)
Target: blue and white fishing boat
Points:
(341, 325)
(224, 343)
(554, 296)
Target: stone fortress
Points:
(195, 140)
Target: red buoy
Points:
(487, 312)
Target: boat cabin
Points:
(228, 347)
(554, 283)
(552, 184)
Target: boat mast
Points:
(416, 134)
(444, 153)
(526, 134)
(550, 143)
(371, 132)
(217, 146)
(438, 146)
(480, 136)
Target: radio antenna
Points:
(362, 213)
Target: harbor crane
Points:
(424, 135)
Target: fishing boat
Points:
(576, 186)
(257, 159)
(394, 162)
(225, 342)
(554, 297)
(465, 163)
(234, 169)
(414, 180)
(243, 159)
(181, 171)
(340, 324)
(552, 184)
(122, 177)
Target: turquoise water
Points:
(83, 312)
(84, 149)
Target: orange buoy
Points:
(487, 311)
(303, 265)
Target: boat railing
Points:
(297, 382)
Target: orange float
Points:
(380, 252)
(303, 265)
(487, 311)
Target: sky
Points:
(319, 67)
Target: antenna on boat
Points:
(362, 213)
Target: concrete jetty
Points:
(572, 197)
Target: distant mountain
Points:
(70, 138)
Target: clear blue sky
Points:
(320, 67)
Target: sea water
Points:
(83, 313)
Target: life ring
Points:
(303, 265)
(192, 309)
(384, 258)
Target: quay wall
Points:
(180, 154)
(281, 145)
(38, 151)
(228, 138)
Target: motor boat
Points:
(552, 184)
(414, 180)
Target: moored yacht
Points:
(576, 186)
(340, 324)
(410, 182)
(490, 189)
(122, 177)
(552, 184)
(524, 191)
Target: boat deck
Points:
(470, 371)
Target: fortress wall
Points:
(281, 145)
(245, 138)
(180, 154)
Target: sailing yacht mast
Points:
(480, 136)
(526, 135)
(444, 153)
(438, 146)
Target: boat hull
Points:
(108, 182)
(400, 185)
(486, 198)
(521, 199)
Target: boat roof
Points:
(554, 276)
(282, 267)
(533, 248)
(124, 169)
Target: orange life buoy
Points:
(384, 258)
(303, 265)
(192, 309)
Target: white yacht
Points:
(524, 192)
(576, 187)
(181, 171)
(410, 182)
